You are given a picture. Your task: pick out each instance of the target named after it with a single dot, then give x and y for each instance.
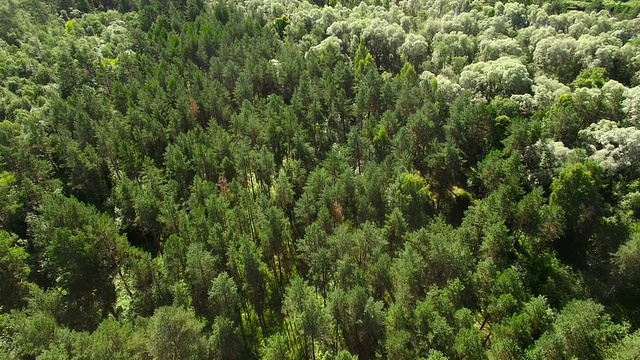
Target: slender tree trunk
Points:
(484, 322)
(124, 282)
(282, 288)
(313, 348)
(486, 340)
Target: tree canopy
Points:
(339, 179)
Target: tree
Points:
(395, 229)
(383, 40)
(625, 273)
(408, 100)
(444, 169)
(174, 333)
(448, 47)
(149, 206)
(591, 78)
(113, 340)
(577, 192)
(407, 273)
(496, 170)
(314, 250)
(627, 348)
(468, 344)
(200, 271)
(414, 50)
(504, 76)
(276, 240)
(224, 297)
(13, 272)
(81, 251)
(556, 56)
(614, 148)
(32, 331)
(582, 330)
(368, 84)
(563, 122)
(251, 271)
(276, 348)
(414, 202)
(445, 256)
(225, 341)
(517, 333)
(473, 130)
(432, 329)
(631, 105)
(359, 318)
(398, 345)
(305, 311)
(493, 49)
(547, 90)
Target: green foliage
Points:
(175, 333)
(113, 340)
(577, 192)
(581, 330)
(627, 348)
(363, 60)
(307, 313)
(591, 78)
(81, 251)
(327, 180)
(13, 272)
(225, 340)
(280, 24)
(415, 201)
(276, 348)
(69, 26)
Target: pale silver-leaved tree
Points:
(504, 76)
(616, 149)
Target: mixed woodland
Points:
(341, 179)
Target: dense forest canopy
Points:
(341, 179)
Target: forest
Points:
(319, 179)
